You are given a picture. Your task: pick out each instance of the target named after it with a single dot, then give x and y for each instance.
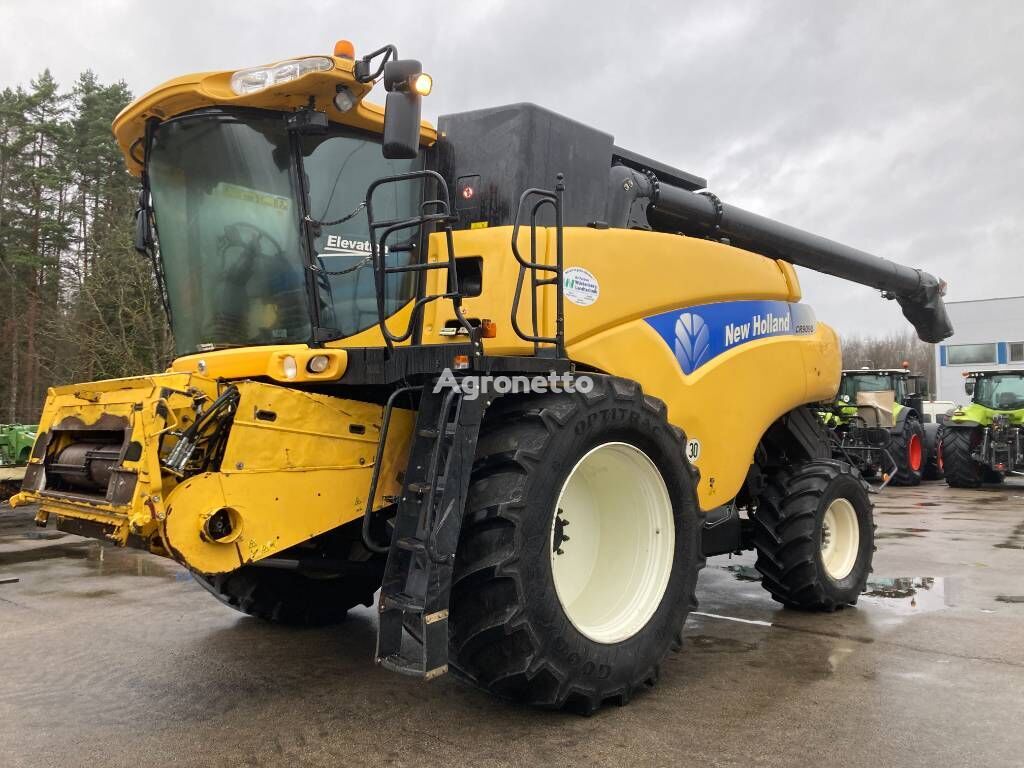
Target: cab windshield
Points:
(1000, 392)
(238, 267)
(869, 382)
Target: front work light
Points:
(257, 78)
(344, 99)
(318, 363)
(289, 367)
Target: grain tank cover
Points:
(491, 155)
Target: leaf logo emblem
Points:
(693, 341)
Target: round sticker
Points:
(693, 449)
(581, 286)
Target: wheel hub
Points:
(611, 579)
(840, 538)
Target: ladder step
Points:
(405, 665)
(403, 602)
(421, 488)
(411, 544)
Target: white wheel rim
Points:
(840, 539)
(611, 572)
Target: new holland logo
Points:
(697, 335)
(693, 341)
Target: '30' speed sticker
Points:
(693, 449)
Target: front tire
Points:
(962, 471)
(815, 534)
(303, 598)
(600, 478)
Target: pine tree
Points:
(76, 302)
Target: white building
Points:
(988, 334)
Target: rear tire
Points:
(961, 470)
(908, 451)
(814, 534)
(512, 635)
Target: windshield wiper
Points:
(213, 347)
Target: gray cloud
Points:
(894, 127)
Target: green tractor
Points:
(16, 444)
(876, 425)
(982, 442)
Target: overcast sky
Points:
(895, 127)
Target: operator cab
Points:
(998, 390)
(259, 201)
(263, 231)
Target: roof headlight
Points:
(254, 79)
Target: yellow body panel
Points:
(295, 465)
(208, 89)
(726, 404)
(287, 480)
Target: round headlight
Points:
(290, 367)
(318, 363)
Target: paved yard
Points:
(111, 657)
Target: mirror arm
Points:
(362, 71)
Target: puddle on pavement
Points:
(904, 534)
(1015, 540)
(43, 535)
(1010, 598)
(710, 644)
(98, 559)
(904, 595)
(910, 594)
(926, 504)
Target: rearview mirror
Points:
(969, 387)
(402, 110)
(143, 224)
(143, 232)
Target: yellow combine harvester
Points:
(519, 379)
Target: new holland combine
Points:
(984, 441)
(342, 280)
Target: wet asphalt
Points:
(117, 658)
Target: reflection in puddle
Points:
(902, 594)
(97, 558)
(910, 594)
(743, 572)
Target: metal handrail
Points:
(554, 199)
(424, 223)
